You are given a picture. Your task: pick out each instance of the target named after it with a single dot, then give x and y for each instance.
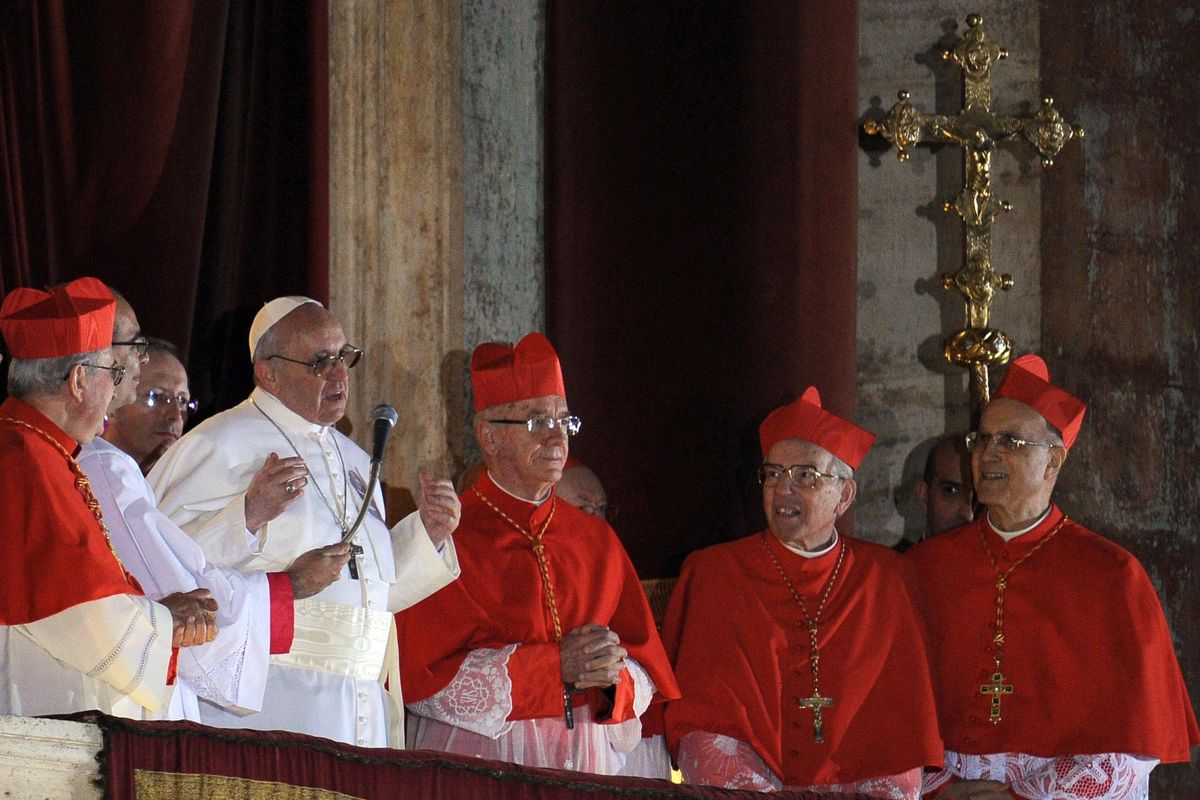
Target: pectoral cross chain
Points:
(996, 689)
(815, 704)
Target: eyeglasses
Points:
(152, 398)
(802, 476)
(348, 356)
(542, 425)
(118, 373)
(142, 344)
(605, 511)
(977, 442)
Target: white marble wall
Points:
(48, 759)
(907, 393)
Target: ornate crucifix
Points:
(977, 130)
(816, 704)
(996, 689)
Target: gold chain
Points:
(81, 483)
(814, 654)
(997, 686)
(539, 552)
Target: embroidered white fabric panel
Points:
(1098, 776)
(479, 699)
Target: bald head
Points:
(580, 487)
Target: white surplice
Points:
(331, 684)
(230, 671)
(109, 654)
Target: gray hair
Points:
(840, 468)
(33, 376)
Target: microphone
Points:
(383, 419)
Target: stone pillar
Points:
(396, 221)
(503, 253)
(907, 393)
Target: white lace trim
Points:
(1100, 776)
(730, 763)
(479, 699)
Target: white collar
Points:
(813, 553)
(283, 416)
(516, 497)
(1008, 536)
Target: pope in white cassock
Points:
(269, 480)
(254, 611)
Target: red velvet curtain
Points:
(178, 150)
(184, 760)
(701, 218)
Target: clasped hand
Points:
(591, 656)
(194, 616)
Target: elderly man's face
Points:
(141, 430)
(98, 391)
(798, 516)
(525, 463)
(1015, 486)
(126, 329)
(308, 333)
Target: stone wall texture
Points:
(1121, 308)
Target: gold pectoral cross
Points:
(816, 704)
(996, 688)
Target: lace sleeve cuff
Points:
(479, 699)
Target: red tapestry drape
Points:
(176, 150)
(182, 761)
(701, 223)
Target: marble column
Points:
(396, 219)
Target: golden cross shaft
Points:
(977, 130)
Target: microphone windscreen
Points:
(384, 412)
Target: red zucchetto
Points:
(804, 419)
(76, 317)
(1028, 381)
(501, 374)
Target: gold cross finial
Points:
(977, 130)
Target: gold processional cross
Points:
(977, 130)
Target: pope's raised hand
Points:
(439, 508)
(277, 485)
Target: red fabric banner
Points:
(167, 760)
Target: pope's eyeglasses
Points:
(348, 356)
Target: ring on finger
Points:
(288, 488)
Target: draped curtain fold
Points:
(176, 150)
(701, 224)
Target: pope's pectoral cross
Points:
(816, 704)
(996, 689)
(355, 551)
